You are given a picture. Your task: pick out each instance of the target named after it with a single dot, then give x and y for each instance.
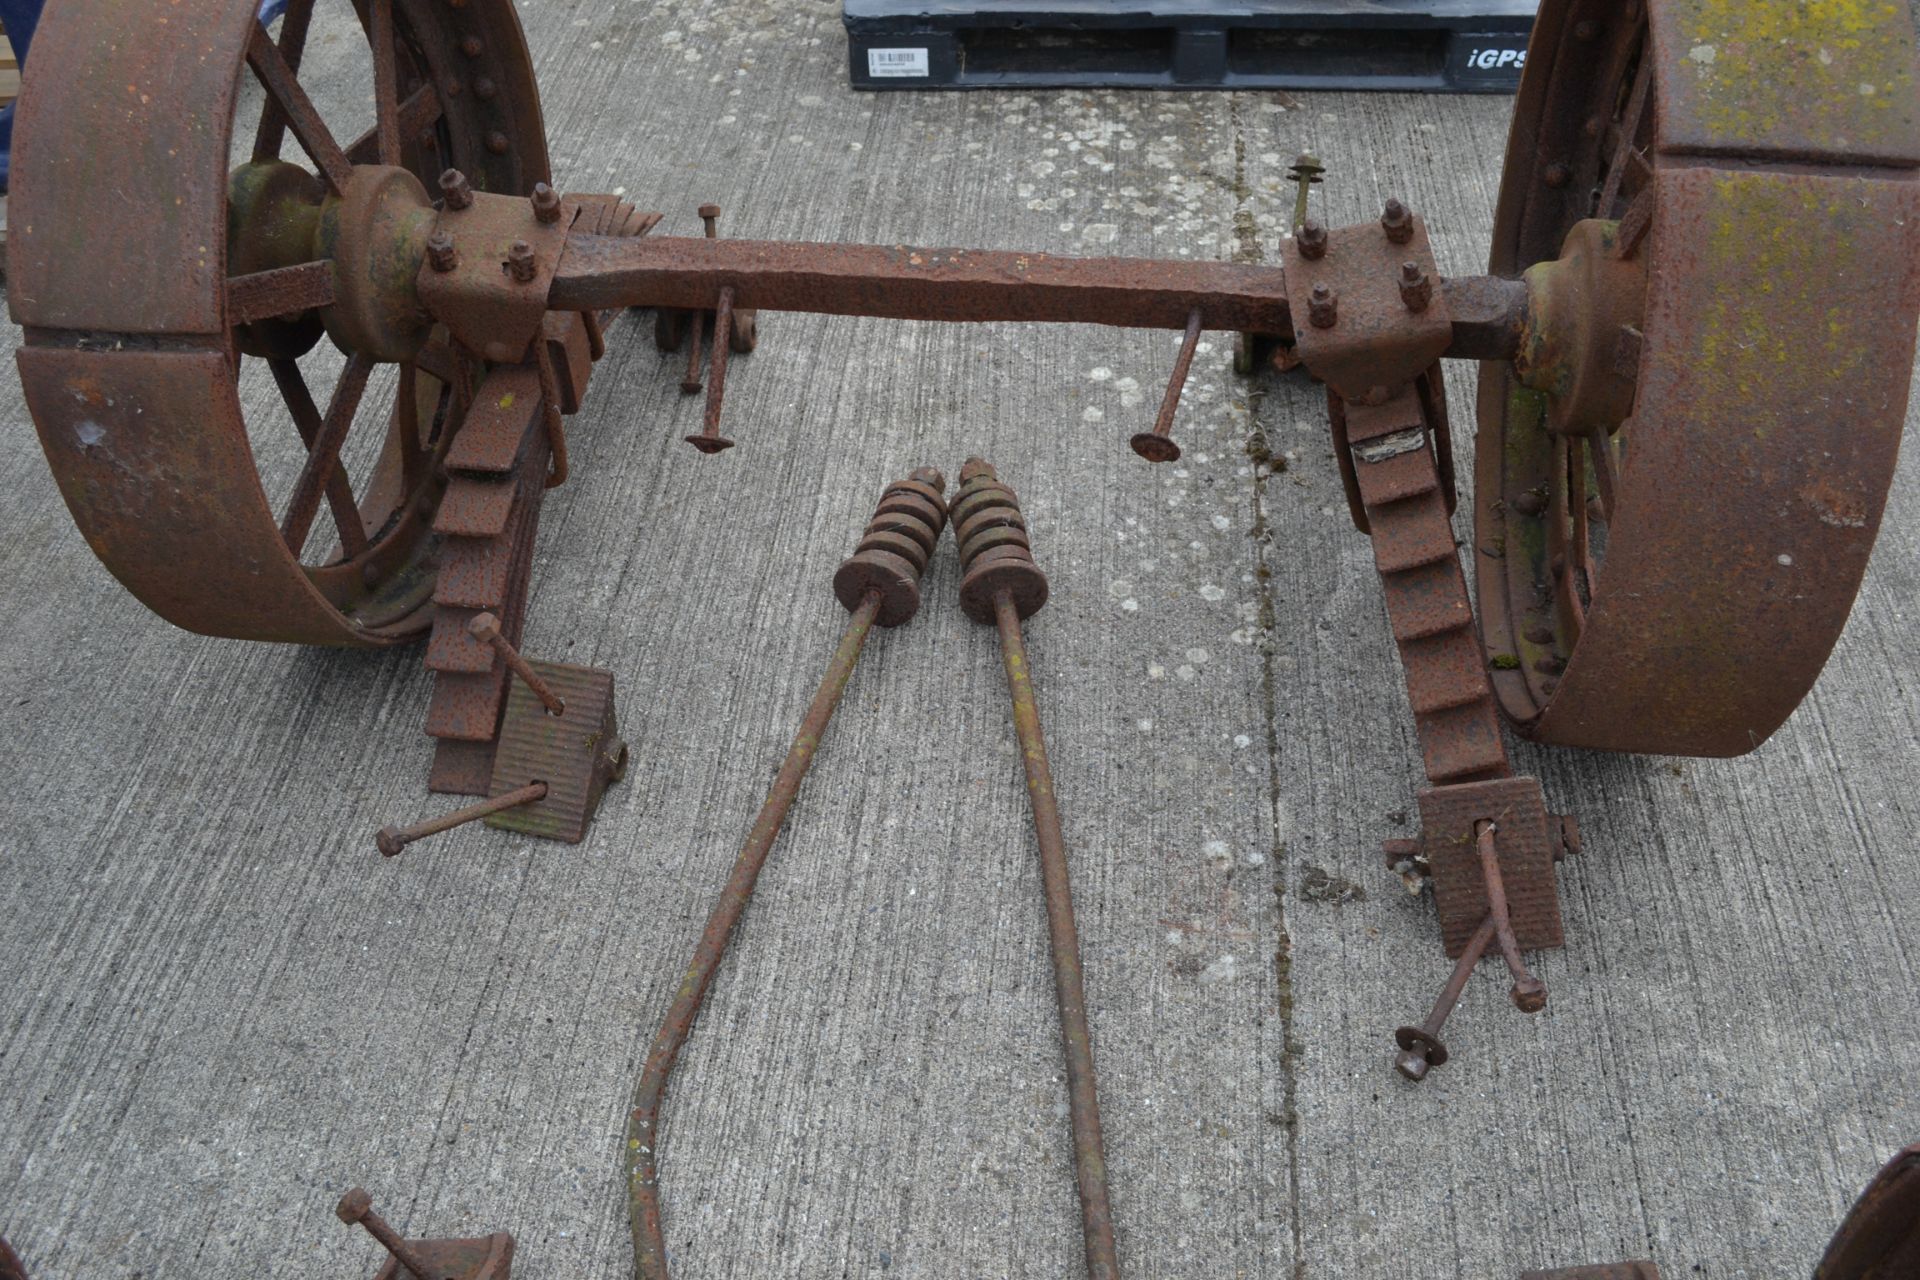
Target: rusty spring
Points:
(880, 584)
(995, 552)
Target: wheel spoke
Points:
(308, 128)
(262, 295)
(1625, 150)
(293, 44)
(323, 455)
(306, 418)
(419, 111)
(406, 425)
(386, 85)
(1606, 472)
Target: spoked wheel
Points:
(160, 254)
(1681, 476)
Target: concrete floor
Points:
(220, 1007)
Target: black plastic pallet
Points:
(1436, 46)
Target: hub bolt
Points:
(546, 204)
(1312, 240)
(1397, 221)
(457, 190)
(520, 261)
(1323, 307)
(441, 253)
(1416, 289)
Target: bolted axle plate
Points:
(1528, 841)
(577, 754)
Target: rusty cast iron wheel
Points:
(1681, 476)
(157, 253)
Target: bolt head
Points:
(484, 627)
(1530, 995)
(929, 476)
(520, 261)
(1323, 306)
(441, 252)
(473, 46)
(1155, 448)
(484, 88)
(1557, 175)
(709, 211)
(974, 468)
(1397, 221)
(1312, 240)
(498, 143)
(1413, 1065)
(546, 203)
(353, 1206)
(388, 841)
(456, 189)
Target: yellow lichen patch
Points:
(1774, 311)
(1796, 75)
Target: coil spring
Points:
(895, 548)
(996, 555)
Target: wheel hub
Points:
(1582, 337)
(375, 234)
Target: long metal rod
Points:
(1170, 403)
(915, 284)
(1083, 1101)
(643, 1181)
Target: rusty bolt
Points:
(1569, 837)
(484, 88)
(1538, 634)
(1323, 306)
(520, 261)
(710, 214)
(546, 204)
(1397, 221)
(356, 1207)
(1557, 175)
(1530, 503)
(473, 46)
(1416, 290)
(1551, 665)
(441, 253)
(457, 190)
(1312, 240)
(499, 143)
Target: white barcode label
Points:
(897, 62)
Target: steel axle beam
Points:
(905, 283)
